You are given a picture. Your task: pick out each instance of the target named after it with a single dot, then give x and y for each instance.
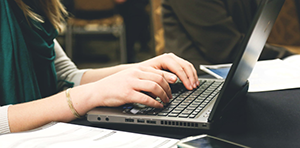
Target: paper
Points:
(274, 75)
(270, 75)
(78, 136)
(294, 59)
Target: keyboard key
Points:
(167, 110)
(172, 115)
(192, 116)
(162, 114)
(175, 112)
(183, 116)
(186, 103)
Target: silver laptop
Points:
(203, 107)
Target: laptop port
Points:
(152, 122)
(129, 120)
(140, 120)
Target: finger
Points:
(153, 88)
(159, 77)
(139, 97)
(189, 69)
(176, 67)
(169, 77)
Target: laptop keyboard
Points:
(185, 103)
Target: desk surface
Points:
(270, 119)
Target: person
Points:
(34, 69)
(209, 32)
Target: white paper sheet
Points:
(274, 75)
(67, 135)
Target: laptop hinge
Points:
(236, 100)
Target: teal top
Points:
(26, 55)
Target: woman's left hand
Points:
(184, 70)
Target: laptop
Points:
(203, 107)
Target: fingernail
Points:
(161, 106)
(198, 83)
(195, 86)
(173, 78)
(167, 100)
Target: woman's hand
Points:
(145, 81)
(182, 68)
(134, 85)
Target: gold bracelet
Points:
(71, 104)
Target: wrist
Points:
(125, 66)
(82, 98)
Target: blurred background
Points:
(101, 33)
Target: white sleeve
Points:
(4, 126)
(65, 68)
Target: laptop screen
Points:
(249, 52)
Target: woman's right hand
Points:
(134, 85)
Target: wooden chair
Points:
(87, 24)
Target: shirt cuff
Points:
(4, 126)
(76, 78)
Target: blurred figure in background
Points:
(209, 31)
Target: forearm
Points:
(30, 115)
(67, 70)
(97, 74)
